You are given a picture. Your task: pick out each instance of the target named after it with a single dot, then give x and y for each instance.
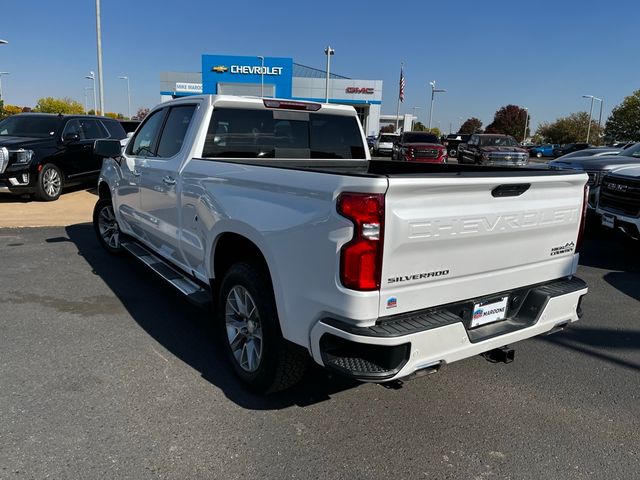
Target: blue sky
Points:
(543, 55)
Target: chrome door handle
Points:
(169, 180)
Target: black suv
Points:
(40, 153)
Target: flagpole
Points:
(399, 87)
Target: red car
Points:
(419, 147)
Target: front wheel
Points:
(250, 331)
(49, 184)
(106, 226)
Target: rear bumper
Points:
(399, 347)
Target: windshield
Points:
(633, 151)
(388, 138)
(420, 138)
(498, 141)
(29, 126)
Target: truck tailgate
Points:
(449, 238)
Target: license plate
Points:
(489, 312)
(607, 221)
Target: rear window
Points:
(246, 133)
(388, 138)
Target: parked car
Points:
(591, 152)
(453, 140)
(377, 270)
(597, 167)
(570, 147)
(540, 151)
(42, 153)
(619, 201)
(492, 149)
(129, 126)
(383, 145)
(419, 147)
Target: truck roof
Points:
(234, 101)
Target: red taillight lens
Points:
(583, 218)
(361, 258)
(292, 105)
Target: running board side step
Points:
(194, 292)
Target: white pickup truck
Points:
(378, 270)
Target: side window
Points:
(73, 126)
(143, 144)
(175, 129)
(115, 129)
(92, 129)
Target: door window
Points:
(92, 129)
(73, 126)
(175, 129)
(143, 144)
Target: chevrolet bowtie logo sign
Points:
(219, 69)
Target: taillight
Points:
(583, 218)
(292, 105)
(361, 258)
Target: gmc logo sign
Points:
(365, 90)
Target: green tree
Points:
(388, 129)
(570, 129)
(112, 115)
(471, 125)
(12, 110)
(510, 120)
(419, 127)
(435, 130)
(624, 122)
(58, 105)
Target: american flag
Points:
(401, 85)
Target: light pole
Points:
(590, 112)
(124, 77)
(600, 116)
(99, 47)
(261, 76)
(92, 76)
(86, 107)
(526, 124)
(434, 90)
(1, 74)
(328, 52)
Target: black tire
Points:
(106, 226)
(280, 364)
(49, 184)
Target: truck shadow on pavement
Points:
(187, 331)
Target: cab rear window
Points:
(248, 133)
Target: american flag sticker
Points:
(392, 302)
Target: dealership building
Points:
(276, 77)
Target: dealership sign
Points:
(188, 87)
(361, 90)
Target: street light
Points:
(526, 123)
(434, 90)
(3, 42)
(99, 48)
(591, 111)
(124, 77)
(261, 76)
(1, 74)
(328, 52)
(92, 76)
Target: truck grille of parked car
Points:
(509, 158)
(621, 194)
(426, 153)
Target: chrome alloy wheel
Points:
(108, 226)
(51, 182)
(244, 330)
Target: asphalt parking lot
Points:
(105, 372)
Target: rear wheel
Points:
(250, 331)
(49, 184)
(106, 226)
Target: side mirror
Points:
(107, 148)
(70, 137)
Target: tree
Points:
(12, 110)
(112, 115)
(388, 129)
(435, 130)
(142, 112)
(58, 105)
(624, 122)
(471, 125)
(419, 127)
(570, 129)
(510, 120)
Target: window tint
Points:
(143, 143)
(175, 128)
(73, 126)
(282, 134)
(30, 125)
(92, 129)
(115, 129)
